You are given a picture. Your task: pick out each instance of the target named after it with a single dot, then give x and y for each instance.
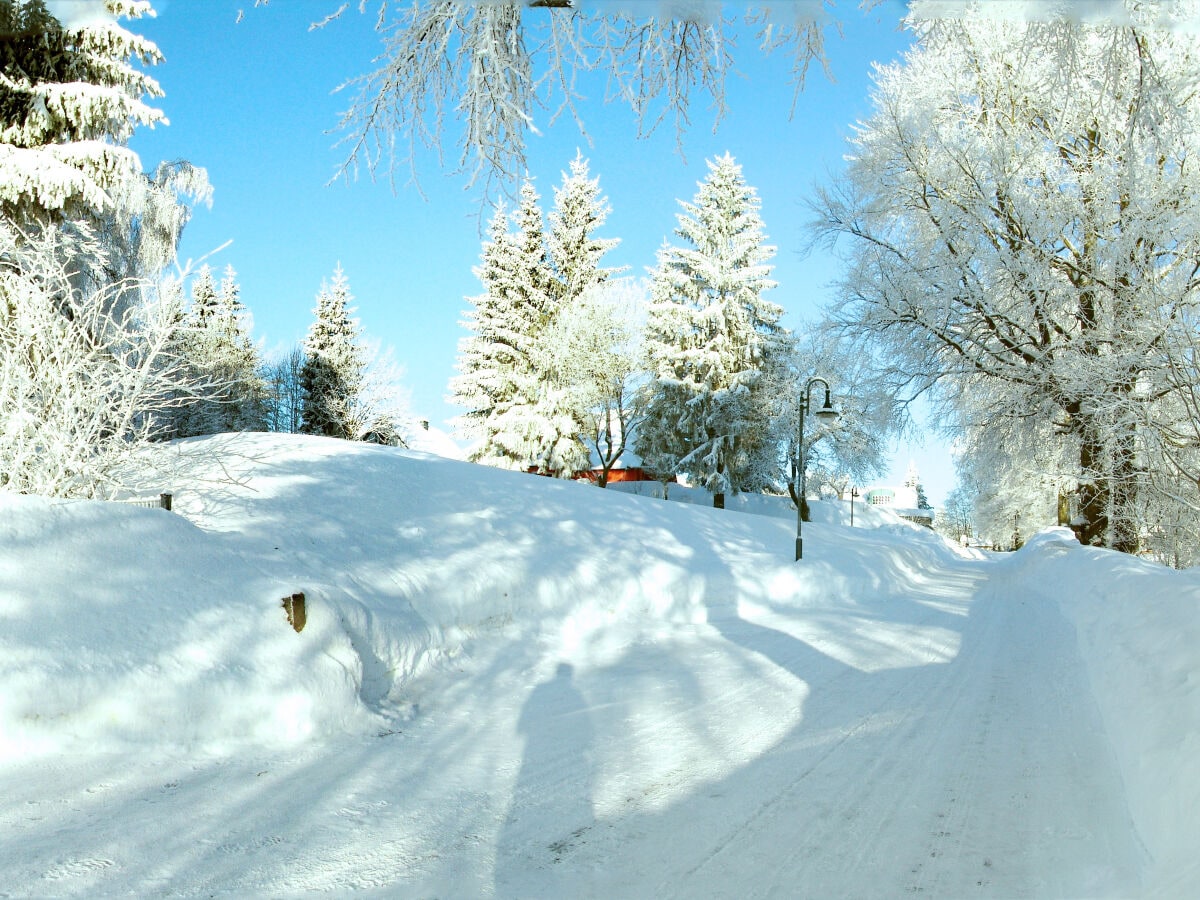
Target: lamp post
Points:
(853, 494)
(826, 412)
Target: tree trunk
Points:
(719, 500)
(801, 504)
(1107, 501)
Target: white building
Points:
(903, 501)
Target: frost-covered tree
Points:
(854, 447)
(523, 405)
(215, 342)
(493, 67)
(1021, 214)
(566, 396)
(191, 414)
(70, 101)
(497, 380)
(332, 375)
(541, 428)
(70, 98)
(493, 359)
(593, 348)
(285, 393)
(378, 412)
(83, 381)
(1171, 514)
(1013, 470)
(954, 518)
(573, 248)
(713, 339)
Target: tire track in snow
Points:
(836, 802)
(989, 776)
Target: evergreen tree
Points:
(78, 222)
(526, 409)
(493, 361)
(528, 428)
(333, 364)
(912, 481)
(498, 382)
(712, 339)
(237, 363)
(189, 415)
(573, 253)
(573, 249)
(216, 347)
(70, 99)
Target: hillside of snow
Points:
(516, 687)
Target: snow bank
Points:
(121, 625)
(1138, 627)
(124, 625)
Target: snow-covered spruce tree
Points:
(83, 381)
(542, 427)
(190, 415)
(333, 363)
(527, 408)
(565, 402)
(349, 388)
(70, 98)
(498, 381)
(493, 359)
(237, 362)
(573, 248)
(711, 339)
(215, 344)
(1023, 220)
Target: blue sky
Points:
(253, 102)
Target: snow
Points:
(517, 687)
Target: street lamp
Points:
(853, 494)
(826, 412)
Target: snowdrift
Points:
(1138, 626)
(129, 625)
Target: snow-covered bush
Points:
(84, 379)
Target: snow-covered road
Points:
(697, 717)
(987, 775)
(981, 770)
